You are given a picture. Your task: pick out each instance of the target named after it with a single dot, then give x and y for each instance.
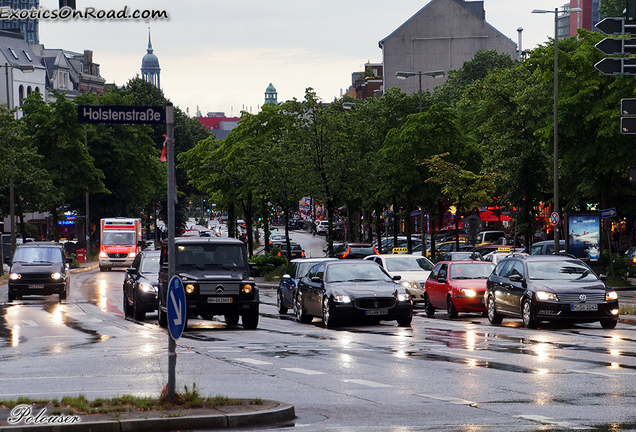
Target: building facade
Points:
(441, 36)
(28, 27)
(271, 96)
(219, 124)
(150, 69)
(587, 18)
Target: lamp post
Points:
(405, 75)
(27, 68)
(556, 115)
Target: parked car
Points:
(341, 290)
(322, 227)
(141, 285)
(296, 269)
(549, 288)
(296, 224)
(39, 268)
(412, 269)
(461, 256)
(216, 277)
(546, 247)
(295, 251)
(448, 246)
(491, 237)
(457, 286)
(496, 256)
(354, 250)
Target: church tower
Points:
(270, 95)
(150, 66)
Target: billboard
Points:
(584, 235)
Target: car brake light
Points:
(344, 255)
(302, 254)
(634, 260)
(279, 254)
(376, 251)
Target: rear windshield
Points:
(366, 250)
(38, 255)
(210, 255)
(471, 271)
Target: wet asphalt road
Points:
(437, 375)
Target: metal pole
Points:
(11, 190)
(172, 344)
(556, 130)
(87, 224)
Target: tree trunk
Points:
(396, 220)
(378, 226)
(407, 224)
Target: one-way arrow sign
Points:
(617, 66)
(608, 213)
(176, 307)
(616, 26)
(617, 46)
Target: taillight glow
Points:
(344, 255)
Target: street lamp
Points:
(556, 115)
(405, 75)
(23, 68)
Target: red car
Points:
(458, 286)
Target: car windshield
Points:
(471, 271)
(356, 273)
(210, 255)
(150, 264)
(38, 255)
(304, 267)
(118, 239)
(560, 270)
(408, 264)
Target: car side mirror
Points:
(7, 259)
(132, 271)
(441, 279)
(286, 276)
(515, 278)
(603, 277)
(253, 266)
(397, 277)
(316, 279)
(68, 260)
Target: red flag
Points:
(163, 153)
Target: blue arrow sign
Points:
(176, 307)
(608, 213)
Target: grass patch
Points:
(617, 282)
(627, 310)
(189, 398)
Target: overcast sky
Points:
(222, 55)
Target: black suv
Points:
(216, 278)
(39, 268)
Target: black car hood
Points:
(362, 289)
(559, 286)
(19, 267)
(215, 274)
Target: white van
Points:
(490, 237)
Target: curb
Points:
(282, 413)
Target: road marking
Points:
(304, 371)
(252, 361)
(366, 383)
(551, 421)
(31, 323)
(117, 330)
(595, 373)
(449, 399)
(463, 353)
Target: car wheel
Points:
(232, 319)
(528, 319)
(405, 321)
(126, 307)
(301, 314)
(250, 320)
(279, 303)
(101, 269)
(328, 316)
(609, 324)
(162, 317)
(428, 307)
(138, 313)
(493, 316)
(450, 308)
(11, 297)
(63, 294)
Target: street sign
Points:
(617, 66)
(628, 107)
(176, 307)
(615, 26)
(608, 213)
(121, 114)
(554, 218)
(628, 125)
(617, 46)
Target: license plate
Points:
(584, 307)
(219, 299)
(36, 286)
(377, 312)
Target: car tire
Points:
(137, 312)
(63, 294)
(11, 297)
(493, 316)
(428, 307)
(450, 308)
(527, 313)
(609, 324)
(232, 319)
(405, 321)
(279, 303)
(301, 314)
(101, 269)
(328, 316)
(126, 306)
(250, 320)
(162, 317)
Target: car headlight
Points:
(132, 254)
(189, 288)
(469, 293)
(542, 295)
(342, 299)
(612, 295)
(145, 287)
(103, 254)
(247, 288)
(409, 285)
(56, 276)
(404, 297)
(15, 276)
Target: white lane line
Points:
(449, 399)
(252, 361)
(304, 371)
(117, 330)
(595, 373)
(551, 421)
(366, 383)
(463, 353)
(31, 323)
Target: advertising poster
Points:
(584, 236)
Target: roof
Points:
(270, 89)
(207, 240)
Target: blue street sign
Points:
(608, 213)
(176, 307)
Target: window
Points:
(28, 56)
(13, 53)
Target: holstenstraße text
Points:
(121, 114)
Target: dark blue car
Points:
(296, 269)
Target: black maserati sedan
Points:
(549, 288)
(344, 290)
